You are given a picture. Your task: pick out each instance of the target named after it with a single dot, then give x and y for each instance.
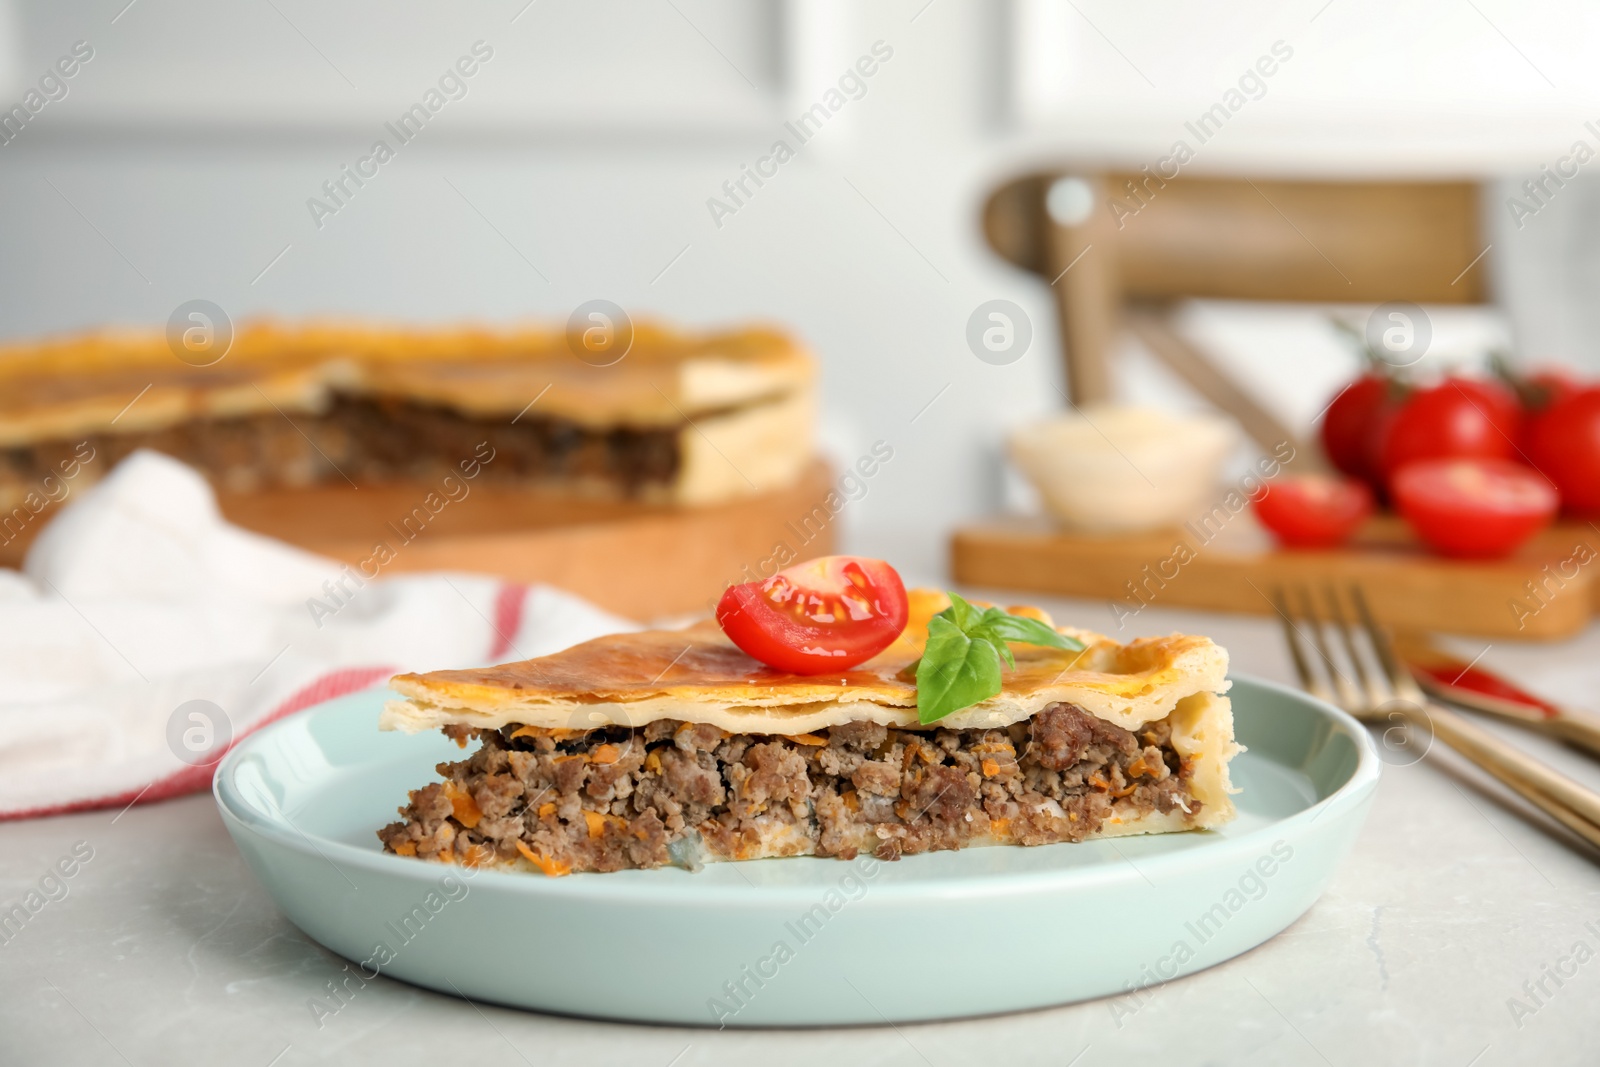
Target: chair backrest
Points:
(1262, 239)
(1107, 240)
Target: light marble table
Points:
(166, 951)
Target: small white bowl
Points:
(1109, 468)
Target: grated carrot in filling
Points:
(606, 754)
(463, 807)
(406, 848)
(552, 868)
(1139, 766)
(596, 821)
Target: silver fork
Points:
(1386, 692)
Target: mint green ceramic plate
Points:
(796, 941)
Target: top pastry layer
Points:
(56, 389)
(699, 676)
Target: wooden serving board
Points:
(1549, 590)
(638, 560)
(641, 561)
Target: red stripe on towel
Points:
(508, 604)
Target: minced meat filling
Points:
(614, 798)
(376, 440)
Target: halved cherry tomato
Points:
(1459, 417)
(1474, 508)
(825, 615)
(1313, 510)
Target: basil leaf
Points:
(963, 614)
(981, 628)
(997, 625)
(960, 664)
(956, 671)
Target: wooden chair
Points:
(1119, 249)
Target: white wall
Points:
(180, 164)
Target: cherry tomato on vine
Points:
(1350, 421)
(1563, 442)
(1458, 418)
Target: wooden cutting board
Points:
(641, 561)
(1549, 590)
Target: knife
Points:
(1476, 687)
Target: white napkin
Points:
(138, 598)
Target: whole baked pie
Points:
(679, 418)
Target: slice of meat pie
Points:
(315, 404)
(644, 749)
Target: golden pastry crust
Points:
(698, 675)
(56, 389)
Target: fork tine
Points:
(1309, 681)
(1341, 622)
(1349, 699)
(1405, 686)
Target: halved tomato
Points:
(1474, 508)
(827, 614)
(1313, 510)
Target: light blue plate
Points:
(800, 941)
